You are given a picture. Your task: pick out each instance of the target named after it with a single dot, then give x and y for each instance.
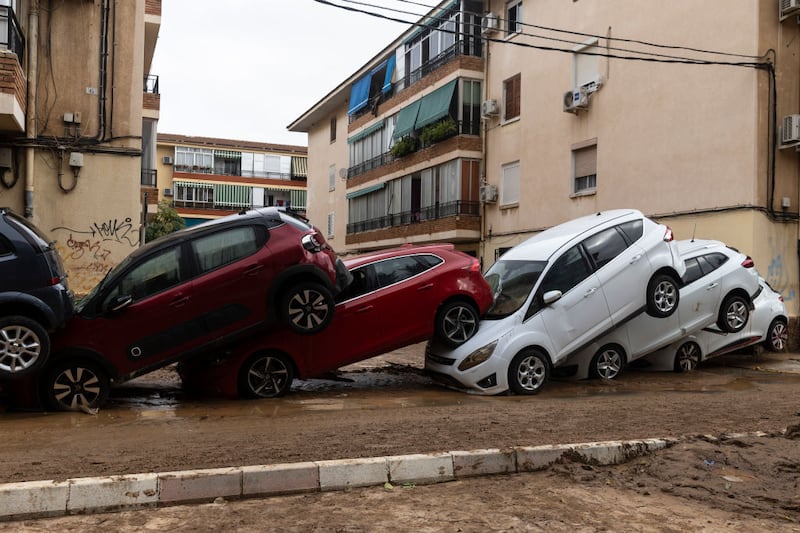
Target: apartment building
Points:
(489, 121)
(75, 104)
(206, 178)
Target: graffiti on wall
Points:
(89, 253)
(780, 278)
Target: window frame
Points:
(505, 187)
(512, 98)
(591, 179)
(513, 16)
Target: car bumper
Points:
(482, 379)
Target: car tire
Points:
(456, 323)
(687, 357)
(608, 362)
(777, 336)
(663, 295)
(24, 346)
(265, 375)
(307, 307)
(75, 385)
(733, 314)
(528, 372)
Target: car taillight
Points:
(55, 280)
(748, 263)
(668, 236)
(475, 266)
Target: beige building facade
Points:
(689, 113)
(75, 97)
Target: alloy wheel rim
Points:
(664, 296)
(736, 315)
(609, 364)
(308, 309)
(459, 324)
(20, 347)
(267, 376)
(780, 336)
(688, 358)
(531, 373)
(76, 386)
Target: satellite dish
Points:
(343, 173)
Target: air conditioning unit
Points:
(489, 23)
(167, 192)
(489, 108)
(790, 131)
(167, 160)
(576, 99)
(488, 193)
(788, 7)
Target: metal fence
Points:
(434, 212)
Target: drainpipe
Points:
(484, 150)
(30, 126)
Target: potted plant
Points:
(404, 146)
(439, 131)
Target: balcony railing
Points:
(424, 214)
(458, 49)
(149, 177)
(10, 34)
(151, 84)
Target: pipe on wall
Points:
(30, 125)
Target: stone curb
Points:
(36, 499)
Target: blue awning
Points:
(435, 105)
(387, 80)
(359, 94)
(406, 119)
(366, 190)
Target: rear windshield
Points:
(295, 221)
(31, 233)
(511, 283)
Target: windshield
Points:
(82, 302)
(511, 283)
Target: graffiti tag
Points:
(109, 230)
(80, 247)
(779, 279)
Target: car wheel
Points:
(528, 372)
(73, 385)
(265, 375)
(777, 336)
(24, 346)
(662, 296)
(608, 362)
(456, 323)
(733, 314)
(687, 357)
(307, 307)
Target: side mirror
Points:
(551, 296)
(119, 303)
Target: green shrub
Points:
(404, 146)
(439, 131)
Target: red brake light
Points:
(55, 280)
(748, 263)
(668, 236)
(475, 266)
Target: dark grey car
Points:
(34, 297)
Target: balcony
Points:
(149, 177)
(12, 79)
(435, 212)
(151, 99)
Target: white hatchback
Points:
(559, 291)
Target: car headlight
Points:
(311, 244)
(477, 357)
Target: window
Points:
(511, 97)
(584, 168)
(331, 177)
(633, 230)
(255, 165)
(605, 246)
(509, 187)
(397, 269)
(152, 276)
(197, 160)
(214, 251)
(586, 66)
(700, 266)
(333, 129)
(567, 271)
(471, 107)
(193, 195)
(330, 225)
(514, 17)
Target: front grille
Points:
(438, 359)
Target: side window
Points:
(153, 275)
(397, 269)
(711, 262)
(221, 248)
(605, 246)
(567, 271)
(363, 282)
(693, 271)
(633, 230)
(428, 261)
(5, 246)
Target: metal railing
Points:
(434, 212)
(10, 34)
(149, 177)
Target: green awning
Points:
(300, 166)
(366, 190)
(195, 184)
(363, 133)
(227, 154)
(406, 119)
(435, 105)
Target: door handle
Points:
(364, 309)
(590, 292)
(635, 258)
(252, 270)
(180, 301)
(712, 286)
(425, 287)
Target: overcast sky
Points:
(246, 69)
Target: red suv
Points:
(194, 290)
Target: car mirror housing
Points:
(119, 303)
(551, 296)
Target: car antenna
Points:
(694, 229)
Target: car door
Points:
(233, 275)
(701, 291)
(622, 269)
(581, 314)
(146, 314)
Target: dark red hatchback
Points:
(398, 297)
(191, 291)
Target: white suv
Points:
(559, 291)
